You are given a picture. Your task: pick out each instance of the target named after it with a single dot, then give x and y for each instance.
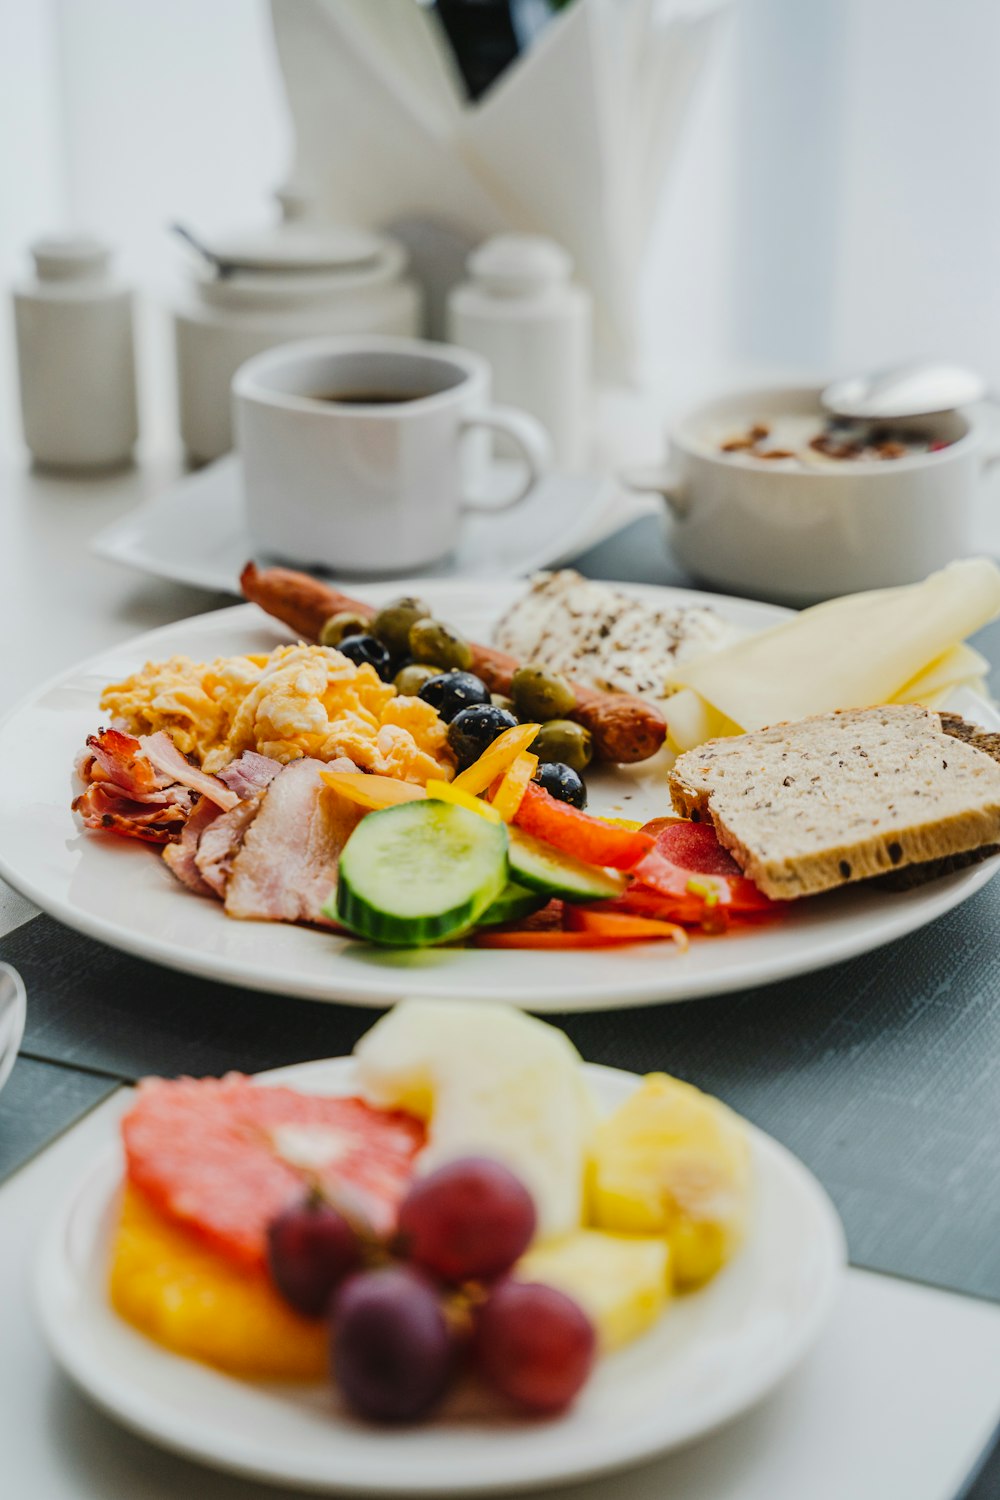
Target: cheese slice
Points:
(852, 652)
(961, 667)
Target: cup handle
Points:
(528, 435)
(658, 481)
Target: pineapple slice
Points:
(185, 1295)
(622, 1282)
(672, 1160)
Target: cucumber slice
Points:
(514, 902)
(542, 868)
(419, 873)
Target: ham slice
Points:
(220, 843)
(180, 858)
(250, 773)
(286, 867)
(160, 750)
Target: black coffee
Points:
(369, 398)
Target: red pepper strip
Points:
(623, 925)
(641, 901)
(575, 832)
(542, 940)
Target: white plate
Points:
(713, 1355)
(121, 892)
(195, 532)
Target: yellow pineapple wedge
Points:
(189, 1297)
(622, 1282)
(672, 1160)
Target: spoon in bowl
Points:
(914, 390)
(13, 1008)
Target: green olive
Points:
(411, 678)
(338, 626)
(392, 624)
(433, 642)
(541, 695)
(500, 700)
(563, 740)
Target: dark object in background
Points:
(487, 35)
(482, 37)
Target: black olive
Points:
(474, 729)
(562, 782)
(450, 692)
(365, 648)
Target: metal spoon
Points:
(218, 264)
(913, 390)
(13, 1009)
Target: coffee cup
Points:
(362, 454)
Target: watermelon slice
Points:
(223, 1156)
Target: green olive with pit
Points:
(564, 741)
(392, 624)
(541, 695)
(410, 679)
(430, 641)
(339, 626)
(500, 700)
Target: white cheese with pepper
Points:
(606, 638)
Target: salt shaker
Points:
(520, 310)
(76, 357)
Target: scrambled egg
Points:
(300, 700)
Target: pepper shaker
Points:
(520, 310)
(76, 357)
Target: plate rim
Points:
(376, 989)
(55, 1279)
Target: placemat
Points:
(39, 1101)
(880, 1073)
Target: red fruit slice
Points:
(224, 1156)
(693, 846)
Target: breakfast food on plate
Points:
(378, 784)
(889, 645)
(840, 797)
(623, 728)
(434, 1227)
(613, 641)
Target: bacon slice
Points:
(156, 821)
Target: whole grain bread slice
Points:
(841, 797)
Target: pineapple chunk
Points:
(672, 1160)
(185, 1295)
(622, 1282)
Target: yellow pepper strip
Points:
(628, 823)
(496, 758)
(510, 793)
(450, 791)
(373, 792)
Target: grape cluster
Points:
(406, 1318)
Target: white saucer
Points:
(195, 532)
(714, 1354)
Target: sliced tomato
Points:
(577, 833)
(623, 925)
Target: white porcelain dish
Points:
(120, 892)
(798, 534)
(713, 1355)
(196, 532)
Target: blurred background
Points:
(832, 200)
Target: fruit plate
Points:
(714, 1354)
(122, 893)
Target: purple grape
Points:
(310, 1249)
(534, 1345)
(469, 1220)
(392, 1349)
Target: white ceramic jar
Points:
(520, 310)
(76, 358)
(288, 283)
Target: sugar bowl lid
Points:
(291, 248)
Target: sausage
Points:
(624, 729)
